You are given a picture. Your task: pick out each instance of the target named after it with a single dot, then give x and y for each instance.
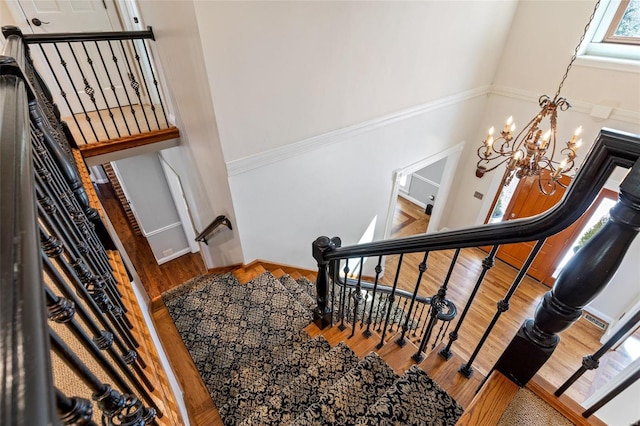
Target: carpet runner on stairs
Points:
(261, 368)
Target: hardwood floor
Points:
(156, 279)
(580, 340)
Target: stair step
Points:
(244, 275)
(445, 373)
(295, 275)
(350, 396)
(287, 403)
(398, 357)
(298, 292)
(308, 285)
(257, 394)
(278, 273)
(414, 399)
(360, 344)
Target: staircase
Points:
(283, 375)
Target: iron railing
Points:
(579, 282)
(83, 365)
(107, 81)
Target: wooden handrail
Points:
(218, 221)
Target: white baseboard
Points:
(173, 256)
(413, 200)
(596, 313)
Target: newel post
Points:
(581, 280)
(322, 313)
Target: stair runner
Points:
(261, 368)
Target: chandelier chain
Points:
(575, 52)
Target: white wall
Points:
(147, 190)
(199, 161)
(281, 72)
(284, 72)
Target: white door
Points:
(86, 65)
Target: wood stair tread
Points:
(445, 373)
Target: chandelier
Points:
(533, 150)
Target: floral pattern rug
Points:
(261, 368)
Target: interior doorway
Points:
(431, 176)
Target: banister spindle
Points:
(344, 299)
(391, 300)
(422, 267)
(503, 306)
(487, 264)
(579, 282)
(357, 298)
(367, 332)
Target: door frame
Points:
(453, 157)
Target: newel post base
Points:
(579, 282)
(322, 313)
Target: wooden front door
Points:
(528, 201)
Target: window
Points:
(615, 32)
(625, 26)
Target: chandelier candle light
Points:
(531, 151)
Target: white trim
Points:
(173, 256)
(412, 200)
(243, 165)
(425, 180)
(161, 230)
(606, 63)
(578, 106)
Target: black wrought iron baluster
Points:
(487, 264)
(343, 298)
(365, 298)
(88, 282)
(417, 327)
(134, 85)
(88, 89)
(381, 307)
(114, 58)
(374, 294)
(104, 339)
(439, 303)
(155, 81)
(503, 306)
(52, 249)
(77, 247)
(126, 408)
(95, 75)
(74, 410)
(63, 94)
(144, 80)
(113, 90)
(394, 319)
(422, 267)
(75, 90)
(62, 310)
(357, 298)
(591, 362)
(391, 300)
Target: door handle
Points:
(38, 22)
(513, 215)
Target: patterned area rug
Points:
(235, 333)
(261, 368)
